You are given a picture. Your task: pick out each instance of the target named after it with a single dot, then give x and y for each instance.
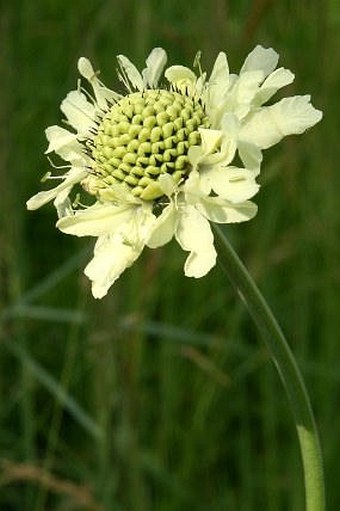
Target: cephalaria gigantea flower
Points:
(178, 150)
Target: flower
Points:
(159, 161)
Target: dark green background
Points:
(161, 397)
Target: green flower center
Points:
(144, 135)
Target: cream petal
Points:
(74, 154)
(275, 81)
(216, 147)
(144, 222)
(195, 155)
(218, 82)
(130, 72)
(85, 68)
(102, 93)
(180, 76)
(117, 193)
(244, 92)
(112, 256)
(63, 204)
(164, 227)
(250, 155)
(65, 144)
(216, 91)
(289, 116)
(59, 137)
(222, 157)
(114, 252)
(230, 124)
(223, 212)
(194, 234)
(96, 220)
(220, 71)
(167, 184)
(225, 154)
(210, 140)
(200, 84)
(263, 59)
(75, 175)
(233, 184)
(197, 185)
(79, 112)
(200, 263)
(154, 67)
(42, 198)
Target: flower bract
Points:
(173, 153)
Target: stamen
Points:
(197, 62)
(57, 167)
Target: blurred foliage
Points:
(160, 397)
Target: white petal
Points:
(264, 59)
(115, 252)
(232, 183)
(41, 198)
(216, 147)
(167, 184)
(75, 175)
(250, 155)
(223, 212)
(220, 72)
(193, 233)
(180, 76)
(142, 222)
(197, 185)
(275, 81)
(218, 83)
(96, 220)
(154, 67)
(59, 137)
(200, 263)
(65, 144)
(200, 84)
(244, 92)
(195, 155)
(85, 68)
(164, 227)
(210, 139)
(102, 93)
(230, 124)
(130, 71)
(289, 116)
(63, 204)
(79, 112)
(111, 257)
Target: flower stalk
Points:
(288, 370)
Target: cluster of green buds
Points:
(144, 135)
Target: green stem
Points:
(287, 368)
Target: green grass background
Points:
(161, 397)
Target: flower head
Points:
(159, 161)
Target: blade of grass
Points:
(55, 388)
